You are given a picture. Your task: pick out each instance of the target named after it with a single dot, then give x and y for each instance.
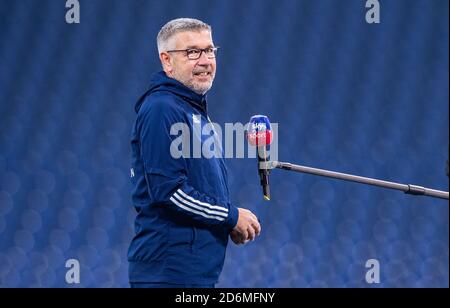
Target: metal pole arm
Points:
(406, 188)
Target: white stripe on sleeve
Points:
(192, 205)
(194, 211)
(213, 207)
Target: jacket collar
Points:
(160, 82)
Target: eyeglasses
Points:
(195, 54)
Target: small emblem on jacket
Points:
(196, 118)
(132, 172)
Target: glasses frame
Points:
(215, 50)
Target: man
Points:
(184, 214)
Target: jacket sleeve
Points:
(166, 176)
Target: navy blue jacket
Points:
(184, 214)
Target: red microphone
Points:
(259, 134)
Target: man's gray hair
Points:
(176, 26)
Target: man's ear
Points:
(166, 62)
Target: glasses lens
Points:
(211, 52)
(193, 54)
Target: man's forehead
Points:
(191, 39)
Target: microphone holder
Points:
(406, 188)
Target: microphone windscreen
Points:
(259, 131)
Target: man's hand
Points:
(237, 238)
(246, 229)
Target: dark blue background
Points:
(352, 97)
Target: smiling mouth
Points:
(202, 74)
